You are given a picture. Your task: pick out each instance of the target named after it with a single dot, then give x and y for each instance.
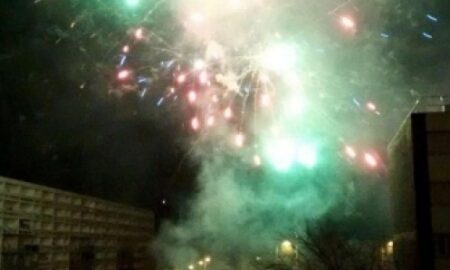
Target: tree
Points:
(323, 247)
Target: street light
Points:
(286, 253)
(286, 248)
(205, 262)
(390, 247)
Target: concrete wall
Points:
(403, 197)
(438, 130)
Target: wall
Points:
(419, 171)
(45, 228)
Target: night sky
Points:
(80, 139)
(61, 128)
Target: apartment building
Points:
(45, 228)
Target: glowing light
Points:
(347, 22)
(370, 160)
(197, 17)
(126, 49)
(390, 247)
(371, 106)
(350, 152)
(207, 259)
(239, 139)
(307, 155)
(191, 267)
(265, 100)
(123, 74)
(432, 18)
(200, 263)
(214, 51)
(132, 3)
(181, 78)
(199, 64)
(203, 77)
(139, 33)
(237, 4)
(195, 123)
(287, 248)
(256, 160)
(279, 57)
(192, 96)
(210, 121)
(123, 58)
(281, 154)
(292, 79)
(427, 35)
(160, 101)
(295, 106)
(228, 113)
(264, 78)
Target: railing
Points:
(427, 104)
(432, 104)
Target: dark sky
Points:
(81, 139)
(59, 127)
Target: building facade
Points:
(45, 228)
(420, 190)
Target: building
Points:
(419, 169)
(45, 228)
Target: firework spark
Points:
(255, 84)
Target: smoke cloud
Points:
(242, 211)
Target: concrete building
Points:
(420, 189)
(45, 228)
